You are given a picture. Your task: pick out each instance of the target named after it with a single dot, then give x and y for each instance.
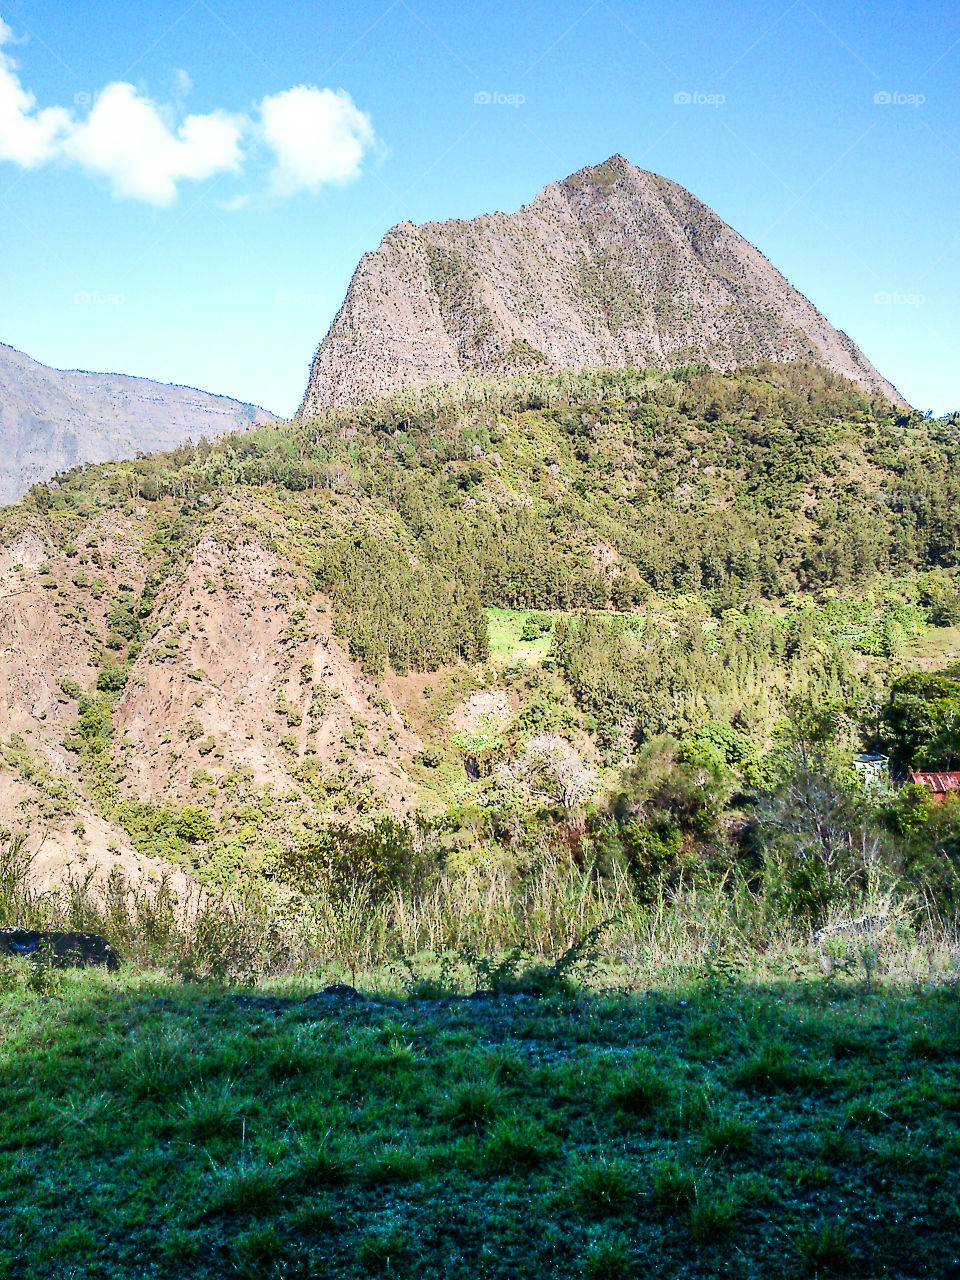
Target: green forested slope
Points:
(587, 491)
(698, 550)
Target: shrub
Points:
(535, 625)
(195, 825)
(341, 858)
(112, 679)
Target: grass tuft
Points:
(671, 1186)
(826, 1249)
(712, 1217)
(394, 1165)
(609, 1260)
(641, 1092)
(729, 1135)
(517, 1145)
(774, 1070)
(320, 1167)
(208, 1113)
(602, 1189)
(249, 1189)
(388, 1253)
(474, 1106)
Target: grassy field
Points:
(937, 647)
(505, 626)
(157, 1129)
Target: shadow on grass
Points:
(721, 1129)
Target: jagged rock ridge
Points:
(613, 266)
(51, 420)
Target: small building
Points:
(941, 784)
(873, 768)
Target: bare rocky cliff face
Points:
(613, 266)
(51, 420)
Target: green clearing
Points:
(936, 647)
(151, 1128)
(504, 627)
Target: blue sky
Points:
(186, 187)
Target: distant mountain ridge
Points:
(613, 266)
(52, 419)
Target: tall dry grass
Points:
(724, 927)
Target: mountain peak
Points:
(615, 166)
(611, 266)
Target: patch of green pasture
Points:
(504, 627)
(935, 647)
(153, 1128)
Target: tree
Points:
(816, 831)
(551, 767)
(922, 719)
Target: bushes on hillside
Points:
(922, 720)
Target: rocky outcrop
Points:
(613, 266)
(51, 420)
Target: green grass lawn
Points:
(936, 647)
(504, 628)
(155, 1129)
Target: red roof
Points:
(941, 783)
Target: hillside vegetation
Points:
(578, 612)
(528, 711)
(567, 492)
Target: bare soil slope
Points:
(239, 702)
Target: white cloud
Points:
(126, 140)
(27, 137)
(182, 84)
(312, 136)
(318, 136)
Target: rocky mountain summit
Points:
(52, 420)
(613, 266)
